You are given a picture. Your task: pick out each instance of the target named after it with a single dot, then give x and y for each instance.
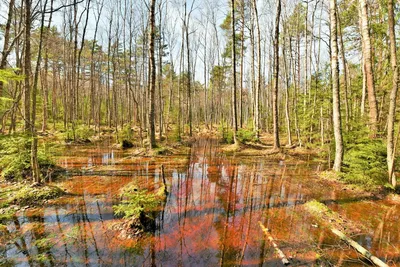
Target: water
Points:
(211, 216)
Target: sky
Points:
(206, 17)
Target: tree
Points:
(152, 71)
(233, 103)
(276, 77)
(393, 95)
(6, 46)
(367, 57)
(337, 123)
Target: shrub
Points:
(244, 135)
(15, 157)
(226, 134)
(82, 132)
(138, 207)
(135, 203)
(126, 133)
(364, 163)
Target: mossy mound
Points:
(16, 195)
(24, 194)
(139, 208)
(36, 194)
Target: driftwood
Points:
(375, 260)
(323, 213)
(278, 251)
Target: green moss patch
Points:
(139, 208)
(326, 216)
(16, 195)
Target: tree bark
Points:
(234, 108)
(27, 67)
(393, 95)
(34, 145)
(6, 44)
(152, 70)
(367, 55)
(337, 123)
(276, 78)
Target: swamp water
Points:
(211, 217)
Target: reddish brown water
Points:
(211, 216)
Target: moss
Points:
(34, 195)
(23, 194)
(6, 214)
(139, 208)
(332, 219)
(316, 207)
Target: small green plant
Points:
(244, 136)
(175, 136)
(126, 133)
(84, 132)
(138, 207)
(226, 134)
(135, 203)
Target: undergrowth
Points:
(364, 163)
(138, 207)
(138, 201)
(15, 157)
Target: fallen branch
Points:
(321, 211)
(280, 253)
(359, 248)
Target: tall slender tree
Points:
(393, 95)
(233, 51)
(337, 122)
(368, 65)
(276, 78)
(152, 71)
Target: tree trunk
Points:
(6, 45)
(242, 15)
(34, 145)
(258, 85)
(27, 67)
(337, 124)
(189, 78)
(152, 70)
(367, 55)
(276, 78)
(234, 108)
(393, 95)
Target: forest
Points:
(142, 118)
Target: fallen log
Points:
(278, 251)
(360, 249)
(321, 211)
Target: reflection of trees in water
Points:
(210, 216)
(29, 241)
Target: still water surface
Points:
(211, 216)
